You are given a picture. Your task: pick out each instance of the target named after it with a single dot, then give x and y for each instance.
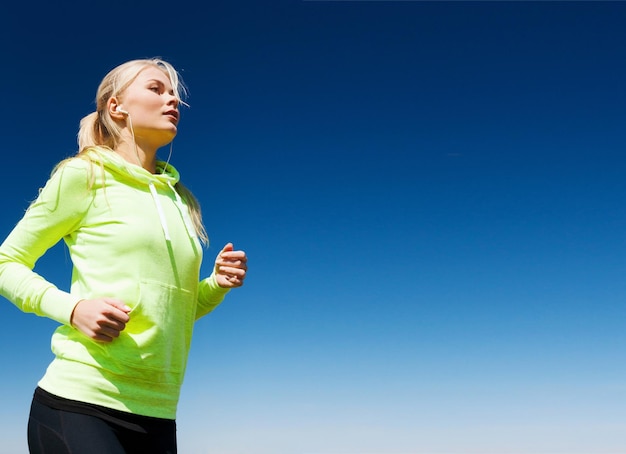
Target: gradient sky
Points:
(431, 195)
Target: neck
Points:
(138, 155)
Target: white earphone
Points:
(120, 110)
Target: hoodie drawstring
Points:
(159, 208)
(181, 209)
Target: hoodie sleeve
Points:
(58, 210)
(210, 295)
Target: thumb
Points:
(229, 247)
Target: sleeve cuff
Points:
(58, 305)
(210, 295)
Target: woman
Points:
(135, 237)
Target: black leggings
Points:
(52, 431)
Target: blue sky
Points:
(430, 194)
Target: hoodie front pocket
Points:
(158, 335)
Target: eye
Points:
(154, 88)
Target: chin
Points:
(168, 136)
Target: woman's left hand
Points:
(230, 267)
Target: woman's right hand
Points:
(101, 319)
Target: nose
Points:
(173, 101)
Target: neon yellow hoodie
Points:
(130, 237)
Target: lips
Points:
(172, 113)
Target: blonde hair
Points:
(99, 129)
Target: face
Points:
(152, 106)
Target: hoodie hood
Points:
(164, 180)
(166, 174)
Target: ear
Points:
(113, 108)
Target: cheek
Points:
(148, 111)
(151, 105)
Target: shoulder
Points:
(75, 164)
(72, 171)
(72, 179)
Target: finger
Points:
(234, 255)
(118, 304)
(232, 264)
(106, 337)
(114, 316)
(236, 279)
(231, 281)
(109, 324)
(232, 271)
(102, 335)
(110, 332)
(102, 338)
(117, 312)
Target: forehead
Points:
(151, 73)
